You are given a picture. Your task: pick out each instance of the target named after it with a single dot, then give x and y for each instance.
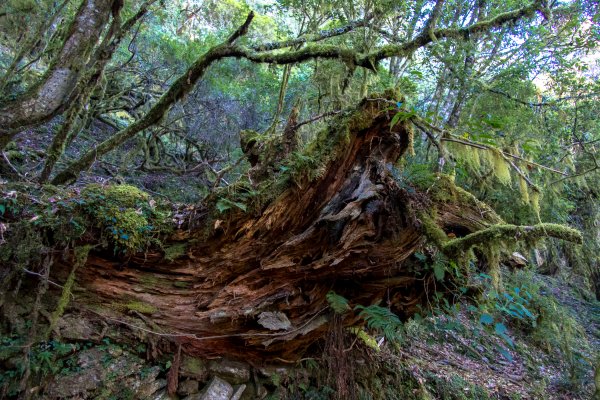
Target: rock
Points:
(217, 389)
(269, 371)
(162, 395)
(238, 392)
(249, 393)
(187, 387)
(148, 388)
(274, 321)
(518, 260)
(99, 369)
(261, 392)
(73, 327)
(194, 368)
(233, 371)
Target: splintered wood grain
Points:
(350, 231)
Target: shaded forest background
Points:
(211, 172)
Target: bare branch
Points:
(242, 30)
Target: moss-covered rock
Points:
(128, 217)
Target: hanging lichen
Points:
(524, 189)
(492, 253)
(500, 168)
(535, 202)
(411, 138)
(466, 154)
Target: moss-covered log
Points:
(253, 284)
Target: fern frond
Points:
(381, 319)
(338, 303)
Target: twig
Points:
(242, 30)
(41, 276)
(15, 170)
(317, 117)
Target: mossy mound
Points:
(121, 217)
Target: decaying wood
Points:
(352, 230)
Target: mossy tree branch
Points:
(176, 92)
(512, 232)
(229, 49)
(88, 84)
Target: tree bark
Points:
(48, 98)
(353, 230)
(253, 286)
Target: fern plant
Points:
(377, 318)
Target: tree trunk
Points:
(352, 231)
(254, 287)
(48, 98)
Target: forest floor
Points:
(455, 359)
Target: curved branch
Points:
(316, 37)
(228, 49)
(516, 232)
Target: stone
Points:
(238, 392)
(518, 260)
(261, 392)
(162, 395)
(98, 371)
(150, 387)
(217, 389)
(233, 371)
(195, 368)
(73, 327)
(274, 321)
(187, 387)
(271, 370)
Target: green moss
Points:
(123, 195)
(506, 232)
(175, 251)
(149, 280)
(194, 367)
(432, 231)
(445, 190)
(140, 307)
(80, 257)
(126, 215)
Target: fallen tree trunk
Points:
(254, 285)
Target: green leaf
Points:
(395, 119)
(439, 271)
(224, 204)
(500, 328)
(505, 353)
(486, 319)
(2, 209)
(420, 256)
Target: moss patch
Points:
(175, 251)
(143, 308)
